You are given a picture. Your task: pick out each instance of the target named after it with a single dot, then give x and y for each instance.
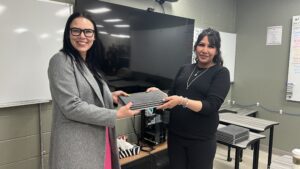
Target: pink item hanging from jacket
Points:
(107, 162)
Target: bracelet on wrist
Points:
(186, 103)
(181, 100)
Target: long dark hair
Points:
(95, 55)
(215, 40)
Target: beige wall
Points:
(20, 135)
(261, 71)
(219, 14)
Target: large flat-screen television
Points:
(143, 48)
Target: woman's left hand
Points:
(171, 102)
(116, 94)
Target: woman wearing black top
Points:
(197, 93)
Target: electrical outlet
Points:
(280, 111)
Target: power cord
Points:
(134, 130)
(163, 9)
(161, 2)
(147, 148)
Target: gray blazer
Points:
(81, 114)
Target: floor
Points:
(221, 162)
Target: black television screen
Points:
(143, 48)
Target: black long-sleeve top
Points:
(211, 89)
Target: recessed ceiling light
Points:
(65, 12)
(122, 26)
(112, 20)
(2, 9)
(44, 36)
(103, 32)
(20, 30)
(61, 31)
(99, 10)
(120, 35)
(100, 26)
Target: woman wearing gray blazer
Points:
(83, 128)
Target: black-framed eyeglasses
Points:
(86, 32)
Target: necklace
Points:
(197, 72)
(188, 82)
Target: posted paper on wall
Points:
(274, 35)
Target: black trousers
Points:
(191, 153)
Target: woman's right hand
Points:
(151, 89)
(125, 111)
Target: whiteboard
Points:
(228, 48)
(31, 32)
(293, 83)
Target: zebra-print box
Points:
(129, 152)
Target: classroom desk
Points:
(238, 110)
(126, 162)
(254, 139)
(254, 124)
